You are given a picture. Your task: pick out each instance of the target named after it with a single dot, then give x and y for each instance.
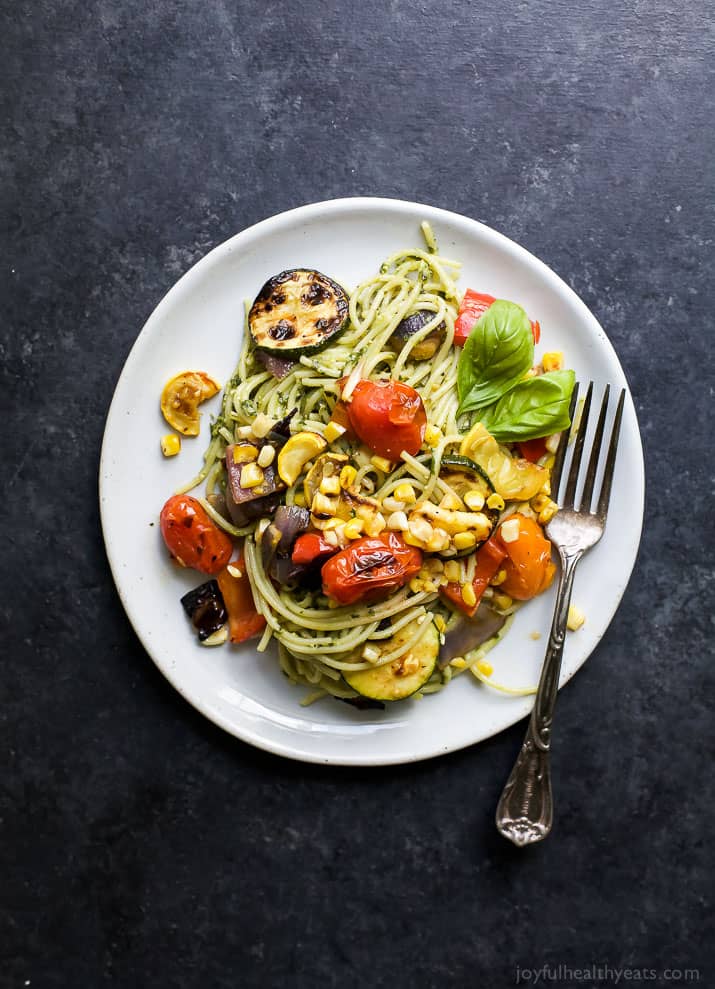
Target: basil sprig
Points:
(498, 353)
(537, 406)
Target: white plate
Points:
(199, 325)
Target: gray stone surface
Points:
(140, 846)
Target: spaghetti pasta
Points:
(400, 334)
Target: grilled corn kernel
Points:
(412, 540)
(575, 619)
(509, 530)
(495, 501)
(330, 536)
(548, 512)
(398, 522)
(434, 566)
(405, 492)
(370, 654)
(498, 579)
(393, 505)
(324, 504)
(353, 529)
(244, 453)
(553, 361)
(347, 476)
(170, 444)
(546, 486)
(330, 486)
(452, 503)
(420, 529)
(262, 425)
(468, 595)
(417, 585)
(452, 571)
(266, 456)
(251, 476)
(440, 623)
(409, 665)
(438, 541)
(375, 525)
(464, 540)
(485, 668)
(333, 523)
(539, 501)
(234, 571)
(432, 435)
(458, 663)
(502, 601)
(333, 431)
(299, 499)
(474, 500)
(365, 512)
(216, 638)
(245, 433)
(381, 463)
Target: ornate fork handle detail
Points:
(525, 810)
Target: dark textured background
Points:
(140, 846)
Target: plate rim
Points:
(345, 204)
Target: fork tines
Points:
(579, 430)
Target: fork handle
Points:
(525, 809)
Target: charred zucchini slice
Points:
(403, 676)
(297, 312)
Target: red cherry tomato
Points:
(474, 305)
(388, 416)
(311, 547)
(529, 569)
(370, 568)
(192, 538)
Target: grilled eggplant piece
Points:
(297, 312)
(278, 366)
(425, 349)
(470, 633)
(206, 609)
(246, 503)
(277, 542)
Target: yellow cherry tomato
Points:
(181, 398)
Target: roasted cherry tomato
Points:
(370, 568)
(243, 620)
(388, 416)
(474, 305)
(192, 538)
(529, 569)
(489, 558)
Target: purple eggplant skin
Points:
(278, 366)
(248, 511)
(205, 607)
(425, 349)
(470, 633)
(277, 543)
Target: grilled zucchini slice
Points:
(403, 676)
(297, 312)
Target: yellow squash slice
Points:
(296, 453)
(514, 478)
(181, 398)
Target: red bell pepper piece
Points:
(243, 620)
(474, 305)
(310, 547)
(533, 450)
(489, 558)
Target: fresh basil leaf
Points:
(537, 406)
(498, 353)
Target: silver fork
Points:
(525, 810)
